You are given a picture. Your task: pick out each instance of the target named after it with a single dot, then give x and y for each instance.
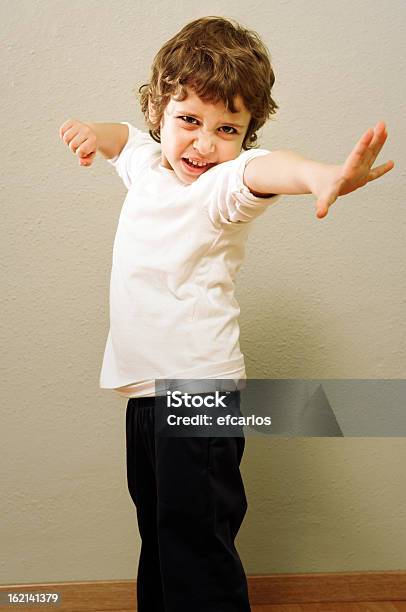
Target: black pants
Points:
(190, 503)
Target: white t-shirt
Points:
(177, 250)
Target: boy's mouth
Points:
(195, 166)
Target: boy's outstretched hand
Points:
(356, 171)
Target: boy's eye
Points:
(187, 119)
(228, 129)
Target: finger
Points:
(379, 139)
(380, 170)
(83, 150)
(357, 155)
(69, 133)
(75, 143)
(362, 145)
(65, 126)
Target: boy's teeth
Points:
(195, 163)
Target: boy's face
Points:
(193, 130)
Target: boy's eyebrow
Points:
(190, 114)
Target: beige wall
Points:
(322, 299)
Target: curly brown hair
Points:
(218, 59)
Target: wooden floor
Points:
(375, 606)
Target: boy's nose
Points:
(204, 144)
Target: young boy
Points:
(179, 244)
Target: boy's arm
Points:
(286, 172)
(110, 138)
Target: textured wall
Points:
(323, 299)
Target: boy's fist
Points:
(81, 139)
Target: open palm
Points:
(357, 169)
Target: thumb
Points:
(86, 160)
(321, 209)
(323, 203)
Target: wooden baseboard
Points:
(272, 589)
(327, 587)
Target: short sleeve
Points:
(232, 201)
(135, 155)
